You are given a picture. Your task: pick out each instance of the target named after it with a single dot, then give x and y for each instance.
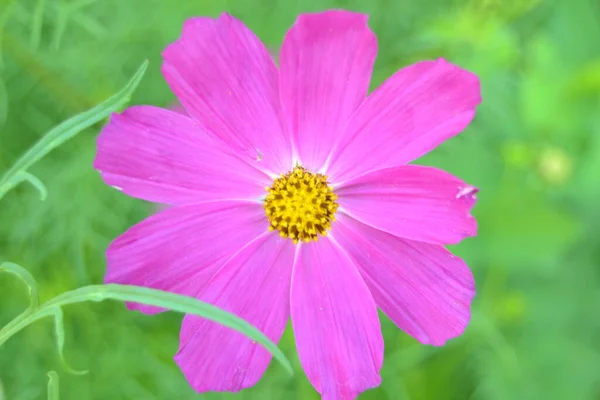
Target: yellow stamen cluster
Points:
(300, 205)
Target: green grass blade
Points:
(68, 129)
(27, 278)
(159, 298)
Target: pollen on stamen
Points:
(300, 205)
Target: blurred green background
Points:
(533, 149)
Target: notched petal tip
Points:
(409, 115)
(464, 318)
(336, 15)
(471, 81)
(334, 20)
(459, 330)
(190, 31)
(226, 80)
(327, 56)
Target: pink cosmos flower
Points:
(290, 196)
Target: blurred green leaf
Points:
(67, 130)
(3, 101)
(541, 95)
(518, 227)
(37, 24)
(586, 80)
(585, 187)
(6, 7)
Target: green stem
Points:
(27, 317)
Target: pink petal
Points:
(422, 287)
(226, 80)
(326, 64)
(414, 111)
(413, 202)
(335, 322)
(179, 249)
(163, 156)
(255, 285)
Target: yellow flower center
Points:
(300, 205)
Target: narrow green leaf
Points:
(68, 129)
(53, 385)
(38, 22)
(159, 298)
(60, 24)
(59, 330)
(27, 278)
(35, 182)
(24, 319)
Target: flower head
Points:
(290, 195)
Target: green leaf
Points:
(59, 330)
(66, 130)
(586, 80)
(34, 181)
(53, 385)
(184, 304)
(27, 278)
(135, 294)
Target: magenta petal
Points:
(179, 249)
(326, 65)
(163, 156)
(335, 322)
(423, 288)
(413, 202)
(255, 285)
(226, 80)
(414, 111)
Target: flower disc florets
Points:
(300, 205)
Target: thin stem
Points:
(21, 321)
